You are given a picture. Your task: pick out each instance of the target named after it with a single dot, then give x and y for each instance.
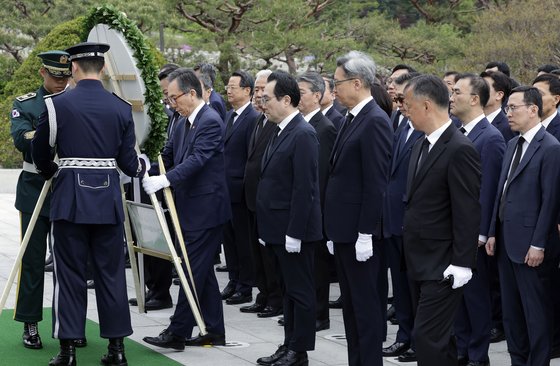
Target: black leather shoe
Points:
(408, 356)
(274, 357)
(555, 353)
(322, 325)
(80, 342)
(115, 355)
(209, 339)
(497, 335)
(270, 311)
(177, 282)
(239, 298)
(31, 338)
(67, 354)
(166, 339)
(396, 349)
(391, 312)
(49, 267)
(90, 284)
(154, 304)
(462, 360)
(393, 320)
(478, 363)
(255, 308)
(228, 291)
(292, 358)
(281, 321)
(221, 269)
(336, 304)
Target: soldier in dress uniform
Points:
(27, 108)
(93, 133)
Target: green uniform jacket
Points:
(24, 118)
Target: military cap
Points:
(87, 50)
(56, 63)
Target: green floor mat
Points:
(13, 353)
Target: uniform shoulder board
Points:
(124, 100)
(54, 94)
(23, 98)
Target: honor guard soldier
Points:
(93, 133)
(27, 108)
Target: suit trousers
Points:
(201, 249)
(237, 249)
(495, 292)
(401, 292)
(322, 279)
(527, 309)
(29, 306)
(435, 305)
(71, 245)
(474, 316)
(360, 305)
(299, 295)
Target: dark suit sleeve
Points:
(491, 159)
(41, 150)
(305, 184)
(464, 192)
(127, 159)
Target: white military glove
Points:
(155, 183)
(330, 247)
(293, 245)
(461, 275)
(146, 160)
(262, 242)
(364, 247)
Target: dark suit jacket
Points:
(236, 147)
(393, 209)
(532, 198)
(194, 161)
(218, 104)
(502, 124)
(491, 146)
(553, 127)
(326, 133)
(335, 117)
(442, 214)
(255, 153)
(358, 176)
(288, 193)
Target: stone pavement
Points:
(248, 337)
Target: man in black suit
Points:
(523, 233)
(268, 302)
(442, 219)
(500, 87)
(311, 88)
(289, 214)
(473, 321)
(549, 87)
(240, 122)
(398, 70)
(353, 205)
(327, 104)
(216, 100)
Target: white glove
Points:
(146, 160)
(155, 183)
(262, 242)
(293, 245)
(330, 247)
(364, 247)
(124, 179)
(461, 275)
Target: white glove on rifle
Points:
(293, 245)
(146, 160)
(155, 183)
(461, 275)
(364, 247)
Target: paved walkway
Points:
(248, 337)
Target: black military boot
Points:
(67, 354)
(31, 338)
(115, 356)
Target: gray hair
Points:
(356, 64)
(206, 81)
(263, 74)
(315, 80)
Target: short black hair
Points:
(531, 95)
(90, 64)
(555, 72)
(450, 73)
(500, 82)
(403, 67)
(382, 98)
(166, 70)
(246, 81)
(502, 66)
(315, 80)
(329, 80)
(431, 87)
(186, 80)
(286, 84)
(405, 78)
(207, 69)
(478, 85)
(552, 81)
(547, 68)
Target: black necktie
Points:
(402, 137)
(270, 147)
(230, 123)
(462, 129)
(514, 165)
(424, 151)
(347, 121)
(396, 120)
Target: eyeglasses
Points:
(512, 108)
(173, 100)
(398, 99)
(336, 82)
